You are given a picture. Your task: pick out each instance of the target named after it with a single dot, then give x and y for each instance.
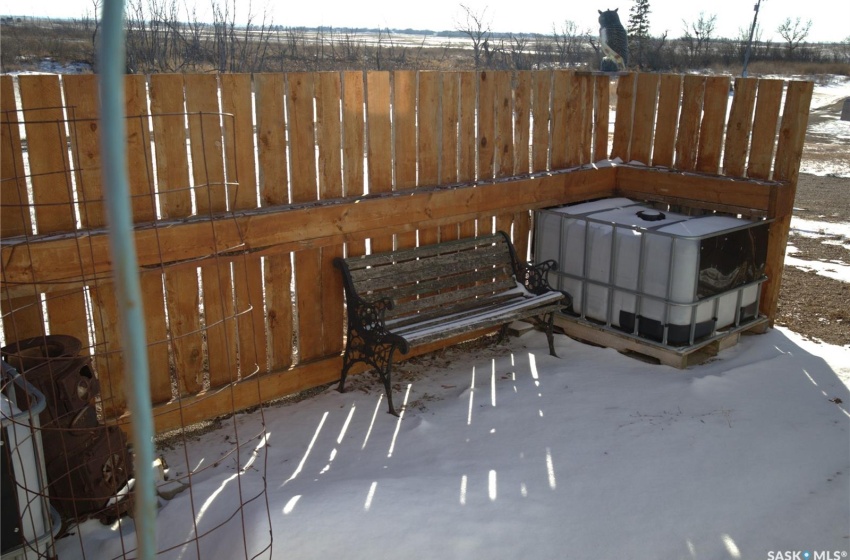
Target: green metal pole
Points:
(127, 290)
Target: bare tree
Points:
(518, 46)
(793, 33)
(152, 40)
(568, 42)
(697, 35)
(477, 28)
(95, 4)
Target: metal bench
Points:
(401, 299)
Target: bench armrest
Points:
(535, 276)
(367, 318)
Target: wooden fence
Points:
(245, 187)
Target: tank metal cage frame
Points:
(42, 545)
(611, 286)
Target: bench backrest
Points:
(431, 279)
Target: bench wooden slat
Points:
(401, 287)
(427, 251)
(445, 316)
(475, 323)
(435, 265)
(443, 303)
(448, 296)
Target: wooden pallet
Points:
(676, 357)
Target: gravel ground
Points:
(810, 304)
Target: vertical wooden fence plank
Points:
(302, 141)
(522, 137)
(206, 143)
(504, 124)
(739, 127)
(219, 322)
(669, 94)
(41, 99)
(50, 170)
(466, 131)
(573, 119)
(353, 145)
(236, 103)
(789, 150)
(273, 187)
(236, 95)
(449, 119)
(181, 285)
(450, 113)
(108, 358)
(205, 140)
(404, 126)
(542, 87)
(22, 317)
(713, 124)
(486, 125)
(278, 280)
(486, 138)
(169, 129)
(250, 320)
(81, 100)
(522, 122)
(768, 100)
(81, 97)
(143, 202)
(66, 313)
(601, 117)
(14, 206)
(308, 266)
(687, 140)
(139, 158)
(429, 141)
(504, 140)
(328, 95)
(271, 139)
(156, 336)
(308, 298)
(467, 139)
(644, 119)
(792, 131)
(430, 119)
(183, 300)
(380, 143)
(624, 119)
(585, 140)
(558, 147)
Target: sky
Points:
(829, 17)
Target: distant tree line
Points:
(166, 36)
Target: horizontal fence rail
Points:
(246, 187)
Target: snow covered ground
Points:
(509, 453)
(838, 233)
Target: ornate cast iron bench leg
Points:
(379, 356)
